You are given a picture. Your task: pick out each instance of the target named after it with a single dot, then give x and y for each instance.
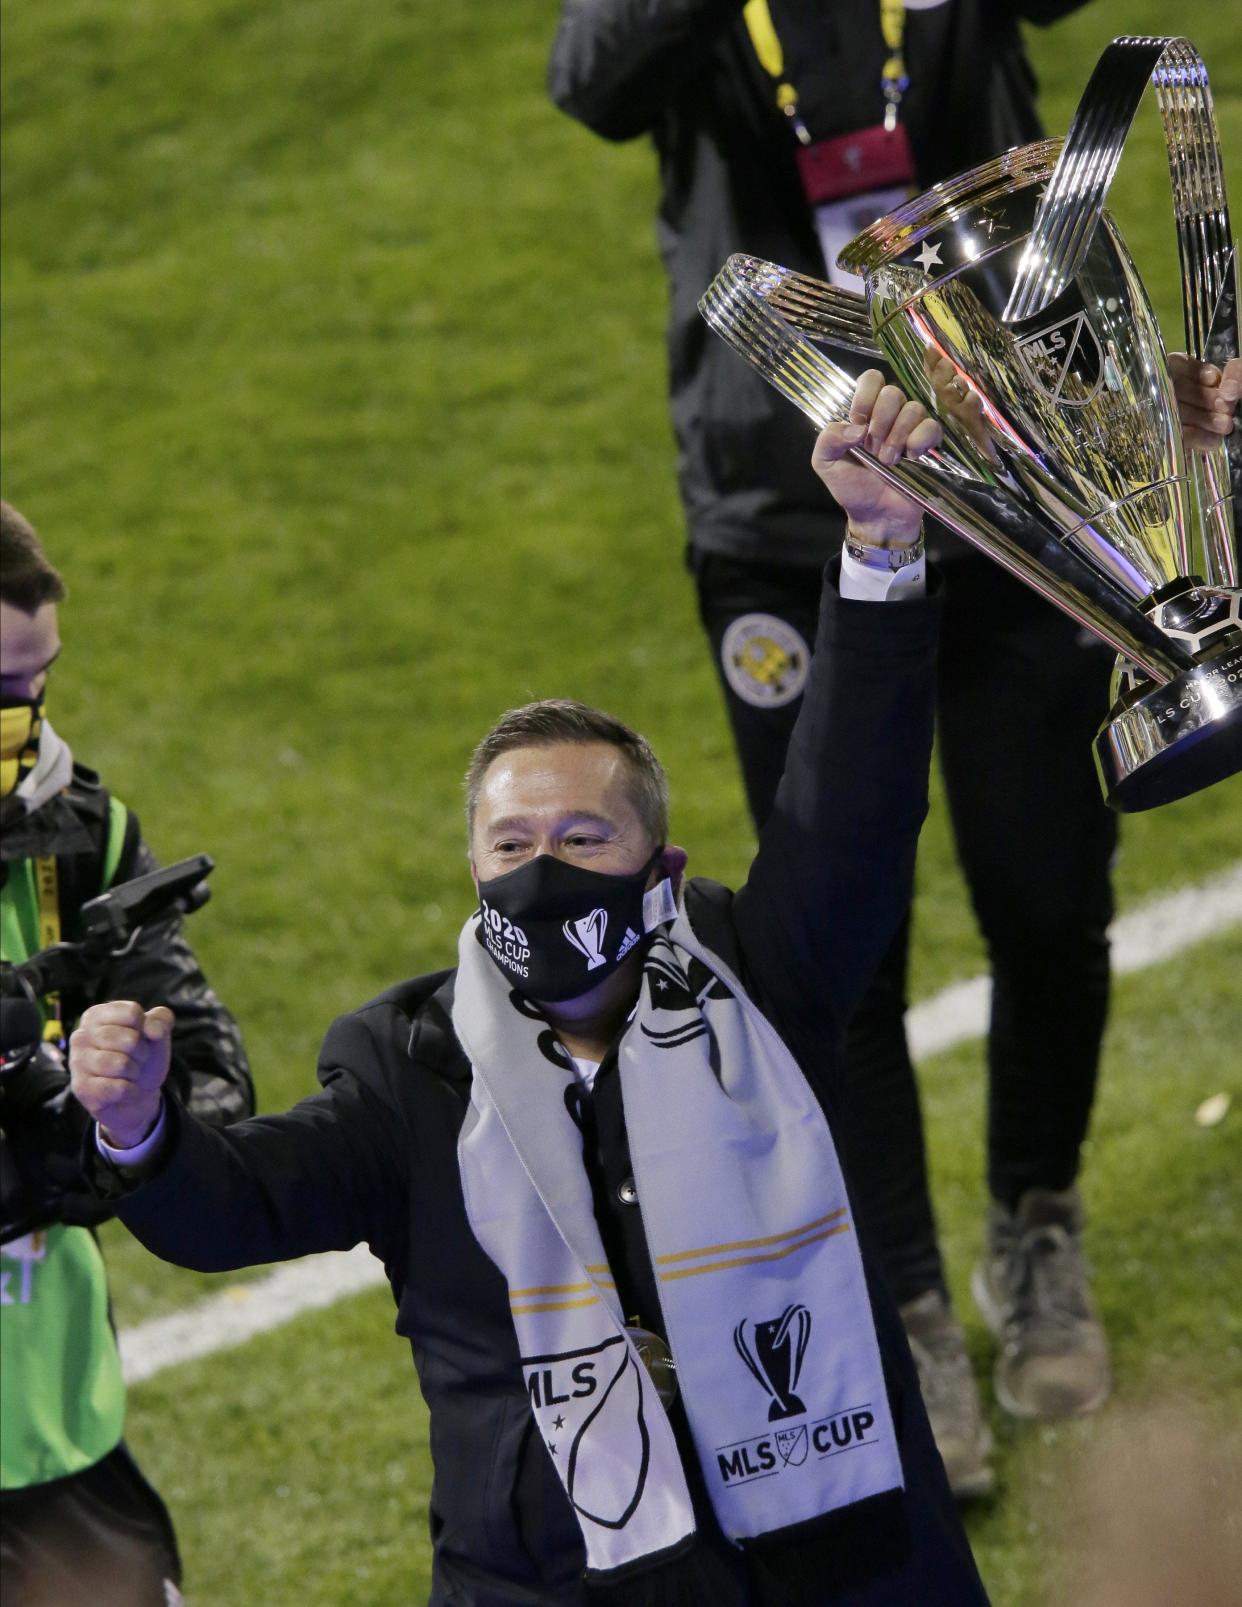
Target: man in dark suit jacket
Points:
(564, 799)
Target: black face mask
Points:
(557, 930)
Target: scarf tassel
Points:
(826, 1557)
(687, 1575)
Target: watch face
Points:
(657, 1358)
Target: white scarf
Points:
(751, 1239)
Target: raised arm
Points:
(833, 872)
(326, 1175)
(616, 64)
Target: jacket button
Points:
(627, 1193)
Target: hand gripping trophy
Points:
(1005, 300)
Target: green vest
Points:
(62, 1400)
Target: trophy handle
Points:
(822, 311)
(1070, 211)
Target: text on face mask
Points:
(505, 941)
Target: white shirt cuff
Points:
(861, 584)
(140, 1152)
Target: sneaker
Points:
(1033, 1293)
(950, 1393)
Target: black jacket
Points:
(210, 1074)
(373, 1156)
(684, 71)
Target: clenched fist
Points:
(118, 1058)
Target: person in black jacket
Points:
(79, 1524)
(569, 849)
(733, 105)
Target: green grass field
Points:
(334, 381)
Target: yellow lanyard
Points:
(47, 885)
(767, 46)
(894, 79)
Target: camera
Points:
(41, 1126)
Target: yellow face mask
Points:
(20, 727)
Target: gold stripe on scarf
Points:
(751, 1244)
(753, 1260)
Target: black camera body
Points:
(41, 1131)
(42, 1127)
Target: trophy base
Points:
(1175, 739)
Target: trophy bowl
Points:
(1005, 300)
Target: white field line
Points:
(1156, 931)
(246, 1309)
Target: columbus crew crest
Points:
(765, 660)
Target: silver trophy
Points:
(1005, 300)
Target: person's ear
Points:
(672, 863)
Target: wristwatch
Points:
(888, 560)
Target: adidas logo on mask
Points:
(627, 942)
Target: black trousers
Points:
(1020, 694)
(99, 1538)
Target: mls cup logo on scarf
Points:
(774, 1355)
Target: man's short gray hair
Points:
(555, 720)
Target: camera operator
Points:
(78, 1521)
